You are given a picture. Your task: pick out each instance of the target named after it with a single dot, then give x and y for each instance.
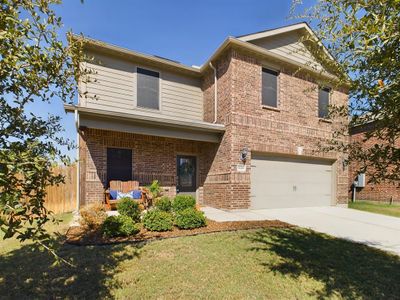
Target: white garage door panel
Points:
(284, 182)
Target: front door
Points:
(186, 168)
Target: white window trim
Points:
(159, 90)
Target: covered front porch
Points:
(126, 148)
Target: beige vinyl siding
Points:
(181, 95)
(112, 86)
(288, 45)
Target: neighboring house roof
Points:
(242, 42)
(363, 122)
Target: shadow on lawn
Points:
(349, 269)
(32, 274)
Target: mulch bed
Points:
(78, 235)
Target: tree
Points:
(364, 37)
(35, 66)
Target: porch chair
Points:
(125, 187)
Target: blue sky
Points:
(182, 30)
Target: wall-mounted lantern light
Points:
(344, 164)
(243, 154)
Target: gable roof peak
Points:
(302, 26)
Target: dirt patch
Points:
(81, 236)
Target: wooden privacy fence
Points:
(62, 198)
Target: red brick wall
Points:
(208, 96)
(296, 123)
(384, 191)
(152, 158)
(218, 187)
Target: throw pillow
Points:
(113, 194)
(122, 195)
(136, 194)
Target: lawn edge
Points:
(140, 240)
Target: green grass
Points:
(271, 263)
(377, 207)
(12, 243)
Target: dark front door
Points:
(186, 166)
(119, 164)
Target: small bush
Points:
(129, 207)
(164, 204)
(158, 220)
(119, 226)
(93, 215)
(190, 218)
(182, 202)
(155, 189)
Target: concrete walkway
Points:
(375, 230)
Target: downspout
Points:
(78, 160)
(215, 93)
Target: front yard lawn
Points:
(377, 207)
(9, 245)
(274, 263)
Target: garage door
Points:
(285, 182)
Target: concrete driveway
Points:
(375, 230)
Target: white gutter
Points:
(78, 160)
(76, 118)
(215, 92)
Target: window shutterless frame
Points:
(269, 88)
(148, 89)
(323, 102)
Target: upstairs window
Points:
(323, 102)
(269, 88)
(148, 89)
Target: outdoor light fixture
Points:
(243, 154)
(344, 164)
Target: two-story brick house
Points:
(241, 131)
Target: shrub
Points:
(155, 189)
(158, 220)
(182, 202)
(129, 207)
(93, 215)
(119, 226)
(164, 204)
(190, 218)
